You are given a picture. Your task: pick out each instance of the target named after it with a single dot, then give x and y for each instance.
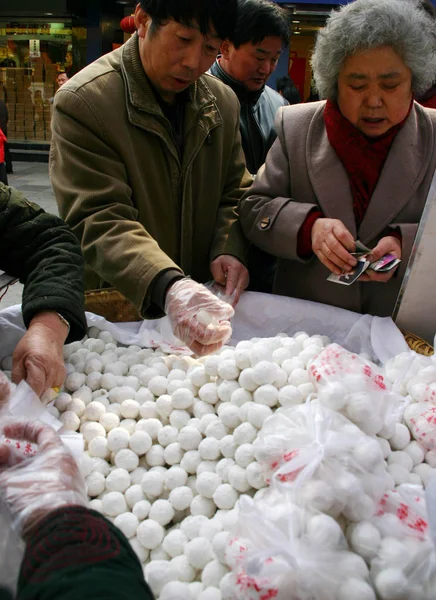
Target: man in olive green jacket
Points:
(146, 159)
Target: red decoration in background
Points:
(128, 24)
(297, 71)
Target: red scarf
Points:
(362, 157)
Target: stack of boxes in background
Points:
(27, 92)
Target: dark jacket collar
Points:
(244, 95)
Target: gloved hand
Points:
(5, 390)
(197, 317)
(38, 357)
(35, 486)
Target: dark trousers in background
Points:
(262, 268)
(8, 158)
(3, 174)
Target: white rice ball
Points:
(173, 590)
(130, 409)
(128, 523)
(155, 457)
(211, 576)
(141, 509)
(180, 418)
(158, 572)
(391, 584)
(240, 396)
(184, 571)
(191, 461)
(228, 370)
(162, 512)
(118, 480)
(182, 399)
(118, 439)
(207, 483)
(173, 454)
(126, 459)
(244, 434)
(401, 437)
(209, 448)
(153, 484)
(225, 496)
(174, 543)
(244, 455)
(94, 411)
(114, 504)
(201, 506)
(95, 484)
(189, 438)
(181, 498)
(98, 447)
(70, 420)
(199, 552)
(140, 442)
(133, 494)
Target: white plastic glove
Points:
(5, 390)
(197, 317)
(35, 486)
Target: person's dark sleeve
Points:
(160, 286)
(75, 553)
(44, 253)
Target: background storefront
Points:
(40, 39)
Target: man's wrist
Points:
(162, 284)
(53, 320)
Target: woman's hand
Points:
(332, 243)
(387, 245)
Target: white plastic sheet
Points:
(256, 315)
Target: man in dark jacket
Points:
(41, 250)
(247, 59)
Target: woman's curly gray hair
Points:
(366, 24)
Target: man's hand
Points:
(198, 317)
(229, 272)
(387, 245)
(38, 357)
(332, 243)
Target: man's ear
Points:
(142, 21)
(225, 49)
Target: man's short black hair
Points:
(288, 89)
(62, 73)
(222, 14)
(258, 19)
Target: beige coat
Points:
(138, 209)
(303, 172)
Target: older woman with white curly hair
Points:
(356, 166)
